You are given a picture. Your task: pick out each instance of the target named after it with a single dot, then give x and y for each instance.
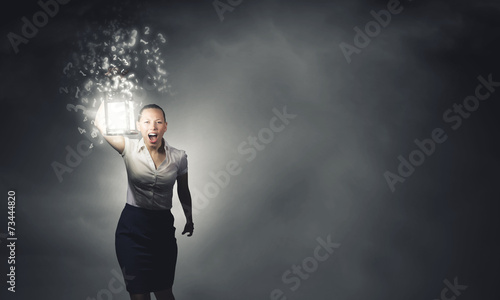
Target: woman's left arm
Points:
(185, 198)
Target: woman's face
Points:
(152, 127)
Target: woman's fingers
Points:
(189, 228)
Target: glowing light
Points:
(120, 116)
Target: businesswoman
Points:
(145, 241)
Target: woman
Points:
(145, 241)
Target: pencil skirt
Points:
(146, 249)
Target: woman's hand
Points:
(99, 119)
(117, 141)
(189, 228)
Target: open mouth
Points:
(153, 137)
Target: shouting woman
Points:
(145, 241)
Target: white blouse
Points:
(149, 187)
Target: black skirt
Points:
(146, 249)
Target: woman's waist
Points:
(147, 209)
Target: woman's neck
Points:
(160, 149)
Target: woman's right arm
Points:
(116, 141)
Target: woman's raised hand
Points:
(116, 141)
(100, 119)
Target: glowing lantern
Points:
(120, 116)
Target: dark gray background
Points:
(323, 175)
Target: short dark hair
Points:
(151, 106)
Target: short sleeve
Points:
(183, 164)
(127, 145)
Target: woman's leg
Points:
(140, 296)
(164, 295)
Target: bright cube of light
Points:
(120, 117)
